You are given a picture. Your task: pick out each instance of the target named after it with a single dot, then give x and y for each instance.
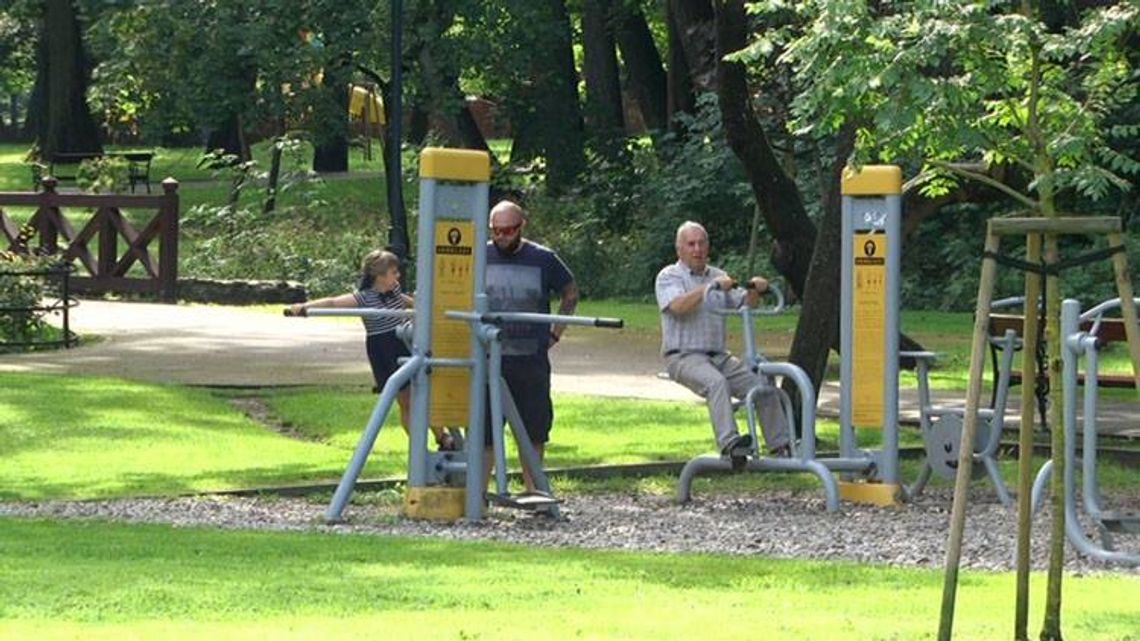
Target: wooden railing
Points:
(105, 269)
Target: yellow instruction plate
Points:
(454, 287)
(869, 337)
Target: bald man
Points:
(522, 275)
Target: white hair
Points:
(686, 226)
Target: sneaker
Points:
(740, 445)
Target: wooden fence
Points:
(106, 268)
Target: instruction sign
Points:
(869, 326)
(454, 287)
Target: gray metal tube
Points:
(495, 379)
(1041, 485)
(890, 466)
(1090, 484)
(363, 312)
(476, 420)
(368, 438)
(847, 442)
(807, 402)
(700, 464)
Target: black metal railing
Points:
(30, 319)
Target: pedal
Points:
(530, 501)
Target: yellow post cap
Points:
(872, 180)
(455, 164)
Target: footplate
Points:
(1120, 522)
(530, 501)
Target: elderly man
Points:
(693, 343)
(521, 277)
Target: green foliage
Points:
(616, 231)
(22, 287)
(977, 83)
(104, 175)
(304, 239)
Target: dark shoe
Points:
(740, 445)
(447, 443)
(784, 451)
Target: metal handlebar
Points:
(772, 290)
(498, 318)
(359, 312)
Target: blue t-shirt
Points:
(524, 282)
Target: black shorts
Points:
(528, 378)
(383, 351)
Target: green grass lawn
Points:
(97, 437)
(121, 438)
(96, 580)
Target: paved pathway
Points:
(215, 345)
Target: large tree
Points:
(525, 50)
(645, 74)
(605, 115)
(58, 113)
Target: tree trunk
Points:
(330, 144)
(230, 138)
(440, 80)
(817, 331)
(797, 249)
(679, 90)
(560, 112)
(605, 116)
(646, 76)
(696, 25)
(775, 192)
(64, 123)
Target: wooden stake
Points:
(969, 427)
(1025, 435)
(1127, 308)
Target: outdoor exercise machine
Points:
(802, 457)
(1077, 344)
(942, 426)
(1040, 233)
(455, 356)
(869, 368)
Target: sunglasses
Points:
(509, 230)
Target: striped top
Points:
(387, 300)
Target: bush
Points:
(22, 289)
(105, 175)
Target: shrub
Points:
(22, 288)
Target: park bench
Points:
(65, 166)
(1111, 330)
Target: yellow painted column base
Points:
(434, 503)
(881, 494)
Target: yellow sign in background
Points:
(869, 336)
(454, 289)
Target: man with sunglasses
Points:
(521, 277)
(693, 343)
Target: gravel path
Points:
(779, 524)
